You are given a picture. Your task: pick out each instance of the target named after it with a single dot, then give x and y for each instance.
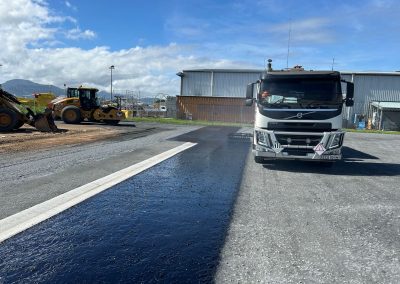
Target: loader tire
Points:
(8, 119)
(19, 124)
(111, 122)
(71, 115)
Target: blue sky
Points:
(149, 41)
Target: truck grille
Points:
(300, 126)
(298, 140)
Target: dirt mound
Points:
(28, 138)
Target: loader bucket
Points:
(44, 122)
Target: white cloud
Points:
(311, 30)
(77, 33)
(33, 47)
(70, 6)
(23, 22)
(29, 52)
(182, 26)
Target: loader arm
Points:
(12, 117)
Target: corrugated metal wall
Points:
(224, 84)
(214, 109)
(196, 84)
(368, 88)
(171, 106)
(233, 84)
(375, 88)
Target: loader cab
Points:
(87, 96)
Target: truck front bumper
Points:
(329, 155)
(298, 145)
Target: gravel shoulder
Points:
(28, 138)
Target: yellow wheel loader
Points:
(13, 115)
(83, 104)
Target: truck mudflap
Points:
(298, 145)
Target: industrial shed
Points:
(371, 87)
(384, 116)
(209, 84)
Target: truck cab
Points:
(298, 115)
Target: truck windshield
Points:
(300, 93)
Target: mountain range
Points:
(25, 88)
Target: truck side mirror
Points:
(349, 103)
(249, 94)
(249, 102)
(350, 90)
(350, 94)
(249, 91)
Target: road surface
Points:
(295, 222)
(209, 214)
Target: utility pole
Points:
(288, 44)
(111, 69)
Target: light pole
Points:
(111, 69)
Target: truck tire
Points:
(259, 160)
(71, 115)
(8, 119)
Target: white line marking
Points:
(27, 218)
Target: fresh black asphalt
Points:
(167, 224)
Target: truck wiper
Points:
(278, 101)
(315, 104)
(279, 105)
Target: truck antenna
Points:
(333, 62)
(288, 44)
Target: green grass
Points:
(373, 131)
(36, 109)
(185, 122)
(220, 123)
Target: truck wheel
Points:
(71, 115)
(8, 119)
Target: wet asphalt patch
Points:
(166, 224)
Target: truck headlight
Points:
(336, 141)
(262, 138)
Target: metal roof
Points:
(387, 105)
(226, 70)
(376, 73)
(397, 73)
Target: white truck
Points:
(298, 115)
